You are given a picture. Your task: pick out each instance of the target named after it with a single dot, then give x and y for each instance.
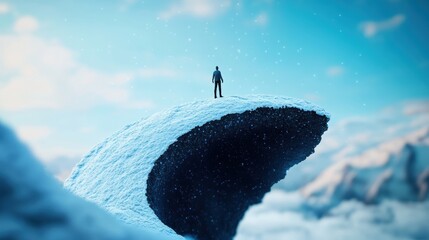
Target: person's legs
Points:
(220, 90)
(215, 89)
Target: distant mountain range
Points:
(397, 169)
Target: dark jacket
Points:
(217, 76)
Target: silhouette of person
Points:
(217, 77)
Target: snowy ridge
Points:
(114, 174)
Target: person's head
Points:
(217, 68)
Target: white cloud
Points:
(350, 220)
(4, 8)
(33, 133)
(335, 71)
(261, 19)
(416, 107)
(37, 73)
(26, 24)
(196, 8)
(372, 28)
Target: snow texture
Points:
(115, 173)
(33, 205)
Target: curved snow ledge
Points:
(197, 167)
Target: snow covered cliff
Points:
(195, 169)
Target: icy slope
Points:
(34, 206)
(197, 167)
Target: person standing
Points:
(217, 77)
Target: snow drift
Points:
(195, 169)
(33, 205)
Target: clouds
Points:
(34, 133)
(208, 9)
(335, 71)
(261, 19)
(372, 28)
(43, 74)
(44, 86)
(350, 220)
(195, 8)
(26, 24)
(416, 108)
(4, 8)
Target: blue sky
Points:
(74, 72)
